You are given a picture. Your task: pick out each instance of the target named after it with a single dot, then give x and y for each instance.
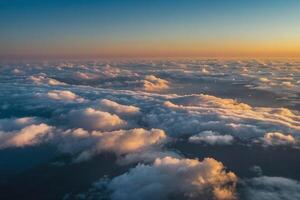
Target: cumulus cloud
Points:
(129, 141)
(211, 138)
(203, 100)
(29, 135)
(16, 123)
(87, 76)
(133, 145)
(92, 119)
(152, 83)
(124, 142)
(114, 107)
(168, 176)
(147, 155)
(192, 114)
(276, 138)
(39, 79)
(264, 79)
(16, 71)
(204, 71)
(281, 80)
(64, 95)
(275, 188)
(101, 72)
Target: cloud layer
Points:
(276, 138)
(276, 188)
(141, 111)
(29, 135)
(168, 177)
(92, 119)
(211, 138)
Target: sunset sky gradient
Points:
(140, 28)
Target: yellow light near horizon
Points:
(171, 48)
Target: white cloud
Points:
(152, 83)
(10, 124)
(204, 71)
(29, 135)
(64, 95)
(276, 138)
(264, 79)
(87, 76)
(275, 188)
(39, 79)
(192, 114)
(169, 176)
(130, 140)
(287, 84)
(211, 138)
(92, 119)
(130, 146)
(125, 142)
(147, 155)
(114, 107)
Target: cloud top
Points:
(169, 176)
(29, 135)
(64, 95)
(92, 119)
(152, 83)
(276, 138)
(212, 138)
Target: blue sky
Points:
(85, 27)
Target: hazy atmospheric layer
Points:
(165, 129)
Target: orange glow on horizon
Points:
(288, 49)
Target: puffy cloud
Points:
(73, 141)
(209, 101)
(276, 138)
(129, 141)
(87, 76)
(152, 83)
(169, 176)
(29, 135)
(16, 71)
(102, 72)
(275, 188)
(109, 71)
(147, 155)
(39, 79)
(204, 71)
(125, 142)
(280, 81)
(211, 138)
(64, 95)
(192, 114)
(92, 119)
(132, 145)
(264, 79)
(16, 123)
(114, 107)
(287, 84)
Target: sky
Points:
(142, 28)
